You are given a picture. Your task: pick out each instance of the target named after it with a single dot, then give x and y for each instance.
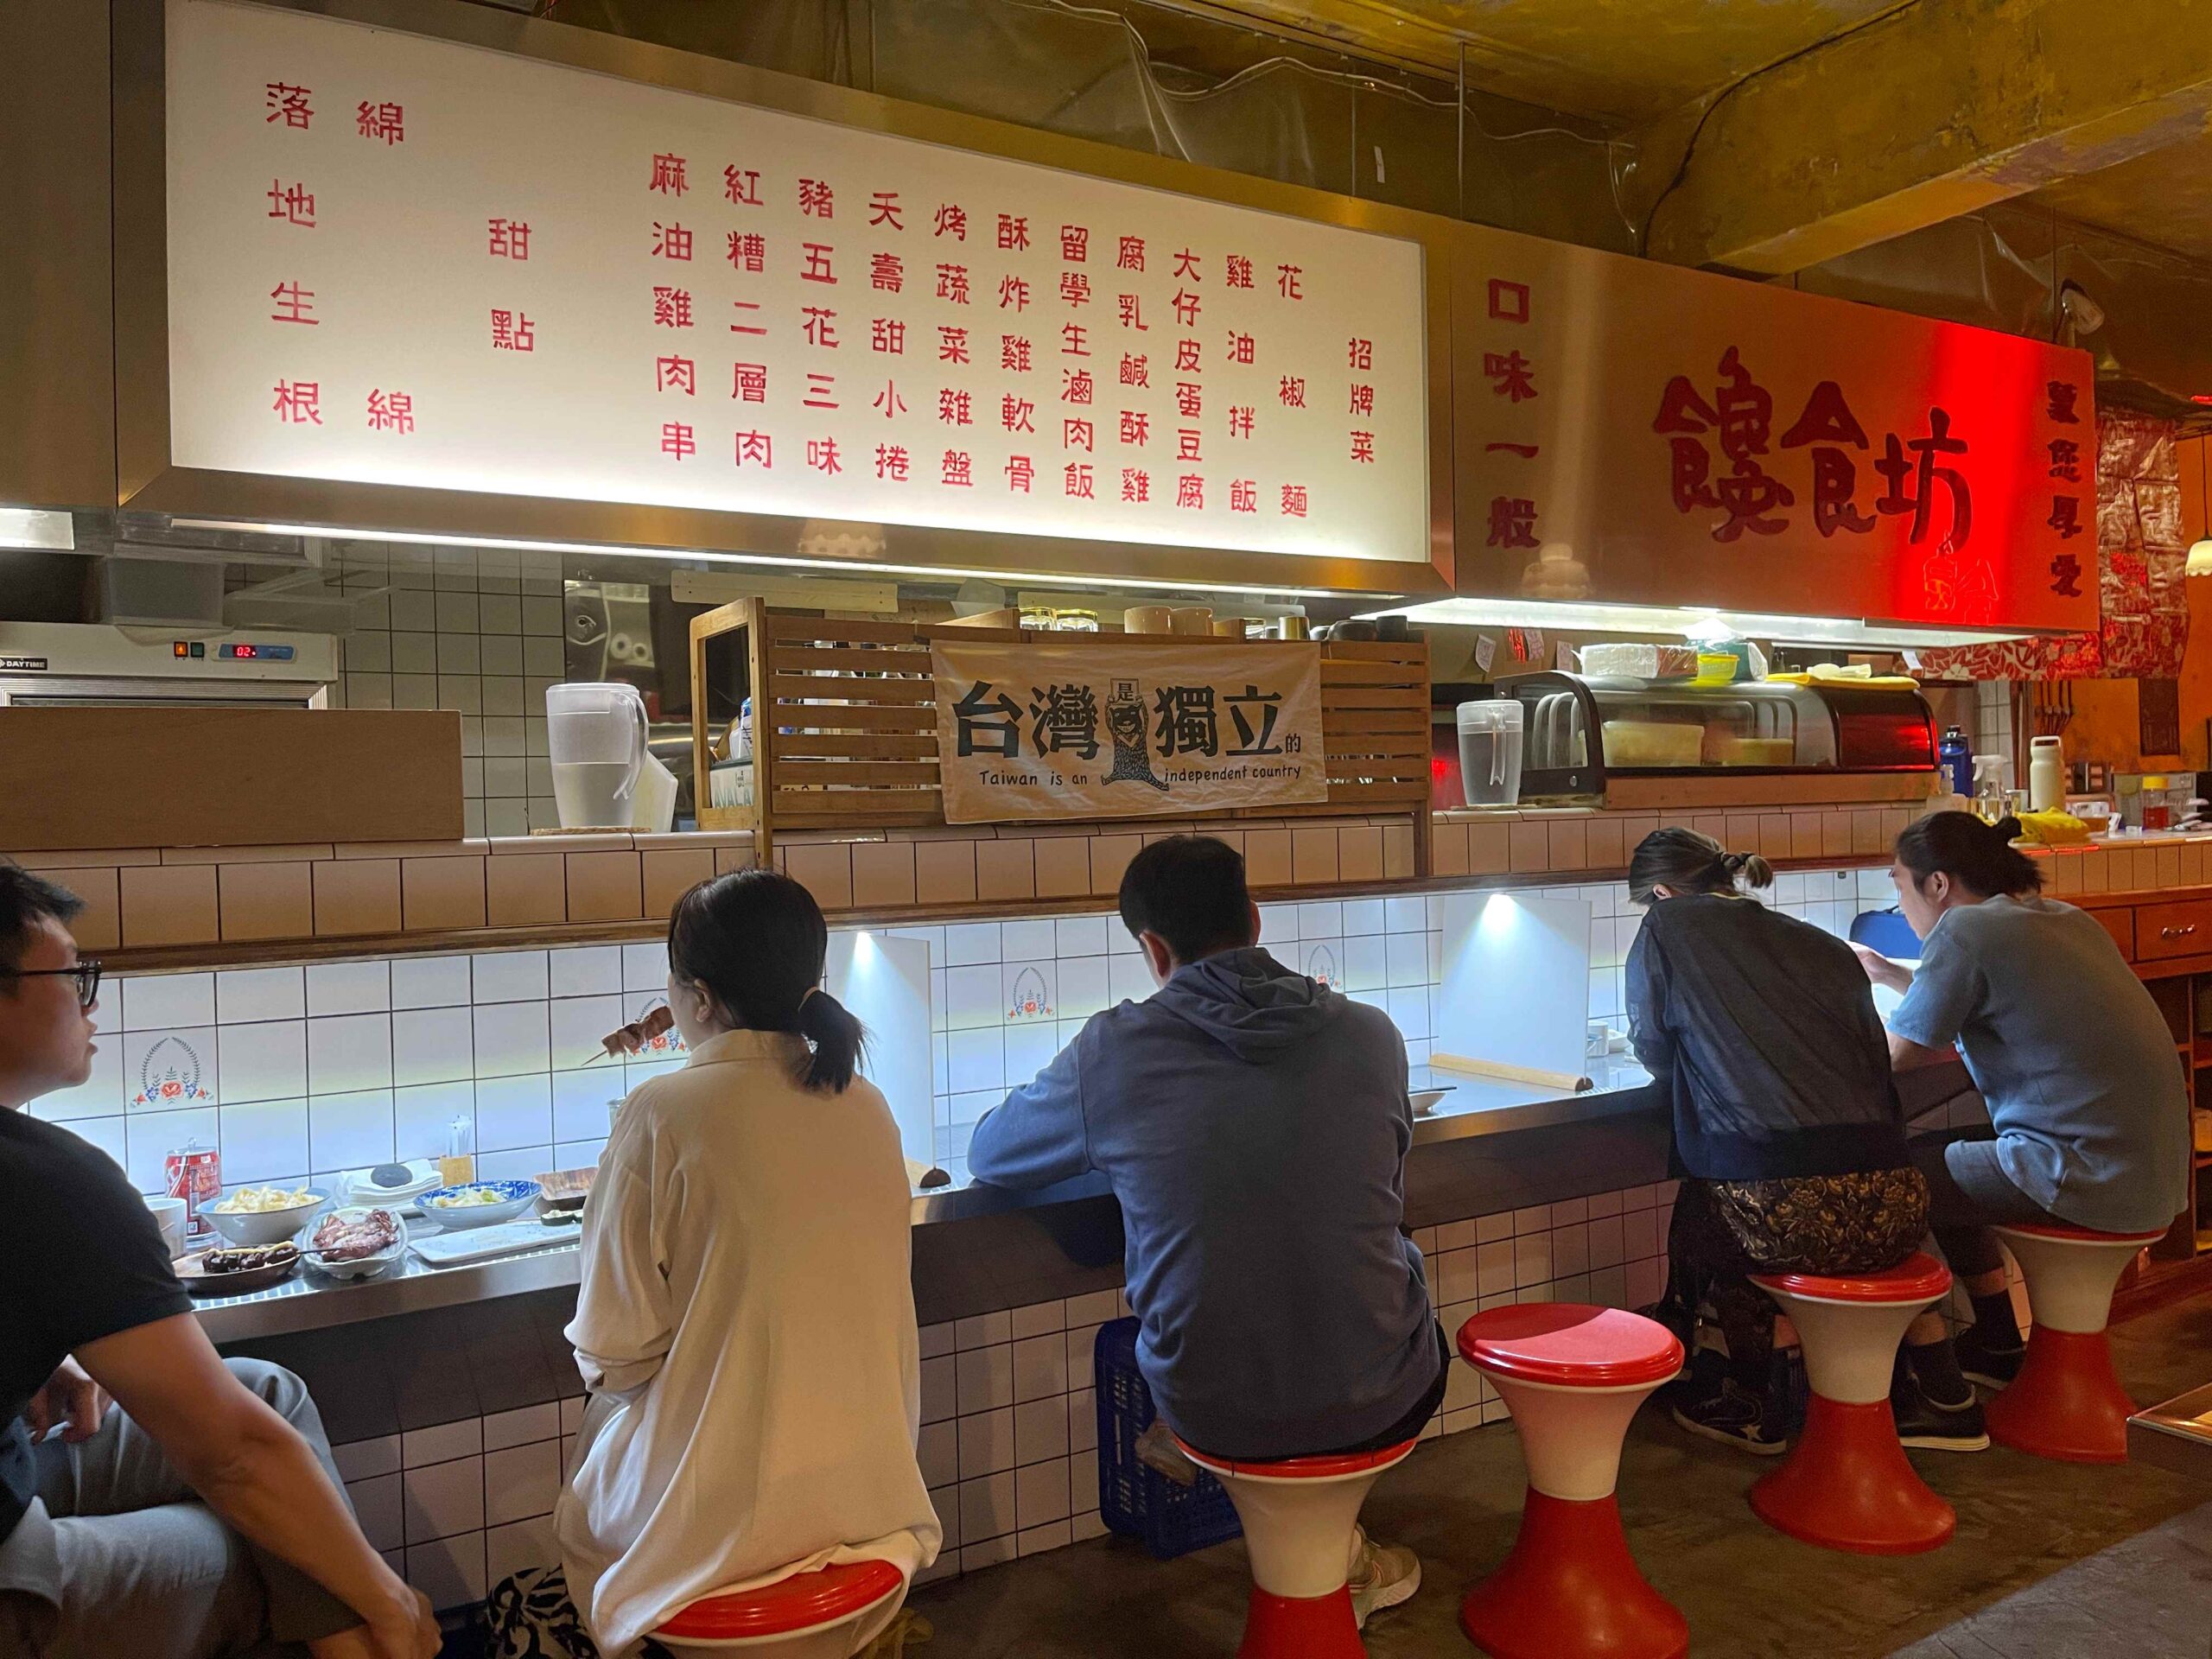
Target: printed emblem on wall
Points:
(169, 1075)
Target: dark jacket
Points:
(1255, 1126)
(1760, 1031)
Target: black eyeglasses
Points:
(86, 974)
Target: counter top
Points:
(309, 1300)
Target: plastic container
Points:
(1489, 752)
(1134, 1499)
(1954, 759)
(595, 738)
(2046, 775)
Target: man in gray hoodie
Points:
(1254, 1124)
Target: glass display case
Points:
(1579, 730)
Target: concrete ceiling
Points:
(2164, 197)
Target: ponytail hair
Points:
(1979, 857)
(1685, 861)
(756, 940)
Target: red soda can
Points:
(195, 1174)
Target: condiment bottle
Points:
(458, 1167)
(2046, 775)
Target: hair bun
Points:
(2006, 829)
(1734, 863)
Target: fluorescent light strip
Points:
(1649, 618)
(852, 568)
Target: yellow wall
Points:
(2105, 718)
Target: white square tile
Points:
(348, 988)
(169, 1070)
(157, 1001)
(108, 1135)
(101, 1095)
(586, 970)
(511, 1038)
(432, 1045)
(377, 1508)
(522, 1164)
(1364, 962)
(577, 1154)
(266, 1141)
(978, 1059)
(243, 993)
(1323, 920)
(521, 1426)
(986, 1378)
(645, 966)
(985, 1510)
(430, 982)
(1083, 986)
(440, 1499)
(1028, 991)
(1406, 959)
(1407, 915)
(1278, 924)
(1127, 980)
(1409, 1010)
(986, 1443)
(349, 1131)
(580, 1100)
(1029, 1050)
(1040, 1367)
(510, 976)
(518, 1547)
(1362, 916)
(938, 1450)
(521, 1481)
(1081, 936)
(1041, 1492)
(512, 1112)
(969, 943)
(421, 1117)
(971, 997)
(267, 1061)
(349, 1052)
(148, 1138)
(1033, 941)
(362, 1459)
(580, 1025)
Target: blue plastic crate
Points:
(1133, 1499)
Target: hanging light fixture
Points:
(2200, 551)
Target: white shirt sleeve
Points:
(623, 1323)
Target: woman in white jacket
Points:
(745, 1325)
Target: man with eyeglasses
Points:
(204, 1517)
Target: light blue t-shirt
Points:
(2072, 1055)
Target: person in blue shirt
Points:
(1254, 1124)
(2089, 1111)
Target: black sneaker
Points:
(1984, 1362)
(1731, 1416)
(1924, 1424)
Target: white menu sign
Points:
(399, 260)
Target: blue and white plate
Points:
(514, 1197)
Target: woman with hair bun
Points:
(1760, 1031)
(2088, 1114)
(745, 1323)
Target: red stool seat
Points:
(1573, 1376)
(2068, 1403)
(1331, 1467)
(803, 1603)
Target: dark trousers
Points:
(1964, 1202)
(1410, 1426)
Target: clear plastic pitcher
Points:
(1490, 752)
(595, 737)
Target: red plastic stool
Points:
(1571, 1376)
(808, 1616)
(1847, 1484)
(1297, 1516)
(2066, 1402)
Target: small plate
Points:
(193, 1275)
(365, 1267)
(1425, 1100)
(515, 1196)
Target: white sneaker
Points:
(1382, 1575)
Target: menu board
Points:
(399, 260)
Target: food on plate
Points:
(338, 1238)
(635, 1035)
(469, 1198)
(260, 1200)
(269, 1256)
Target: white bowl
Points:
(518, 1197)
(250, 1230)
(362, 1267)
(1425, 1100)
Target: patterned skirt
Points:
(1809, 1223)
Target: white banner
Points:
(398, 260)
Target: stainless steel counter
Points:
(310, 1302)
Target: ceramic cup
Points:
(1193, 618)
(168, 1216)
(1148, 619)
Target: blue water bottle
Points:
(1954, 759)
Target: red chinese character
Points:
(1013, 353)
(668, 176)
(1136, 426)
(299, 403)
(886, 273)
(1075, 385)
(2061, 397)
(1019, 473)
(676, 440)
(1014, 292)
(1241, 348)
(821, 325)
(671, 241)
(293, 203)
(1243, 495)
(1136, 484)
(1075, 287)
(1239, 274)
(1190, 399)
(1920, 500)
(952, 283)
(288, 103)
(891, 462)
(1293, 500)
(951, 344)
(756, 447)
(1508, 302)
(1190, 491)
(1075, 244)
(672, 307)
(2066, 575)
(2066, 517)
(887, 334)
(952, 221)
(822, 455)
(742, 187)
(1292, 392)
(1135, 370)
(1186, 264)
(1073, 341)
(1131, 257)
(817, 268)
(1186, 308)
(1077, 481)
(1014, 413)
(1014, 232)
(513, 331)
(954, 408)
(748, 252)
(1186, 357)
(742, 326)
(507, 239)
(818, 390)
(1362, 400)
(385, 121)
(1240, 420)
(1132, 311)
(1514, 375)
(751, 383)
(1186, 444)
(1078, 434)
(1286, 281)
(1512, 522)
(1360, 354)
(883, 208)
(889, 400)
(958, 472)
(1363, 447)
(392, 411)
(293, 304)
(677, 373)
(815, 199)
